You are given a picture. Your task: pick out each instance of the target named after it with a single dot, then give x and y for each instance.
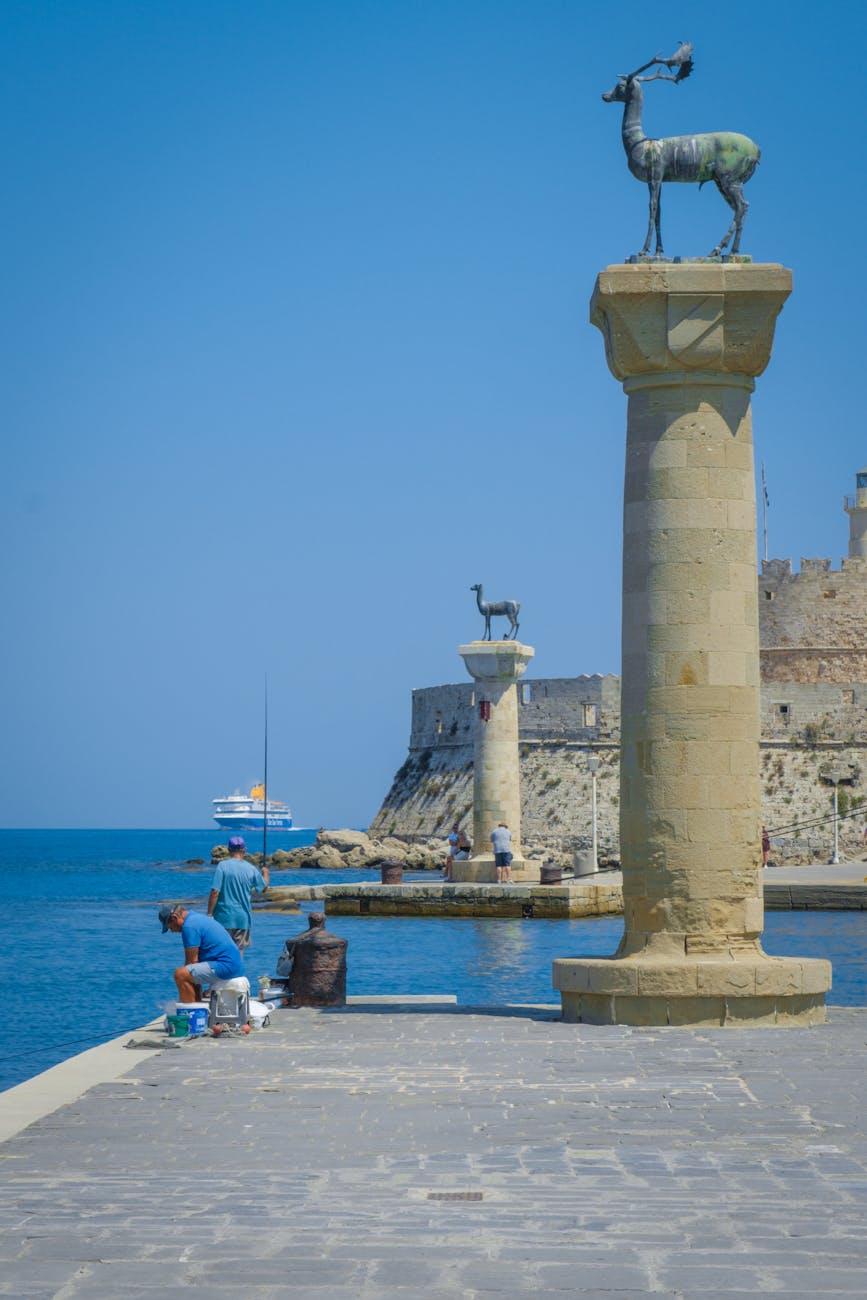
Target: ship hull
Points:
(253, 821)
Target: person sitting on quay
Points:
(453, 848)
(229, 899)
(501, 838)
(210, 953)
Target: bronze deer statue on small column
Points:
(723, 157)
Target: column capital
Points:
(688, 317)
(496, 661)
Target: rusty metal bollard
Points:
(316, 962)
(392, 872)
(550, 874)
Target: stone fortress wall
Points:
(813, 636)
(813, 622)
(582, 710)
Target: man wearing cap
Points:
(209, 951)
(229, 899)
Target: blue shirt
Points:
(501, 838)
(235, 878)
(214, 945)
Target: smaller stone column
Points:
(496, 667)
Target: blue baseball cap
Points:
(166, 913)
(236, 842)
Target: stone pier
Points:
(496, 667)
(687, 341)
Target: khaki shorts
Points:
(241, 937)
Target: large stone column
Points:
(496, 667)
(687, 341)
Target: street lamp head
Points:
(592, 764)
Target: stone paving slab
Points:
(453, 1153)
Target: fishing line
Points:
(818, 821)
(74, 1042)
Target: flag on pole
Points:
(765, 486)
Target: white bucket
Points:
(197, 1014)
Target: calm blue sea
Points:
(85, 943)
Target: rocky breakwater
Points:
(350, 850)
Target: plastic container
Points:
(228, 1005)
(178, 1026)
(196, 1013)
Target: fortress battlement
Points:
(811, 623)
(581, 710)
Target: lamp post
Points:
(592, 768)
(834, 773)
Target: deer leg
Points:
(659, 252)
(727, 191)
(741, 206)
(653, 192)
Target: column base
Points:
(693, 991)
(482, 870)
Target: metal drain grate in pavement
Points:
(455, 1196)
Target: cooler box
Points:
(230, 1002)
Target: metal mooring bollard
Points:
(317, 974)
(392, 872)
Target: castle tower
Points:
(856, 509)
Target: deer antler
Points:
(681, 59)
(657, 76)
(658, 59)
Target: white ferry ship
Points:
(246, 812)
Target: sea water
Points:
(83, 943)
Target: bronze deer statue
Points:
(509, 609)
(723, 157)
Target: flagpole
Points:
(764, 514)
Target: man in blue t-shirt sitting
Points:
(209, 951)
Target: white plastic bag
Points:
(260, 1013)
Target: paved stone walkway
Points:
(453, 1155)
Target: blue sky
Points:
(296, 348)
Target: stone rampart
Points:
(804, 726)
(812, 626)
(807, 712)
(582, 710)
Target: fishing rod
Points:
(265, 785)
